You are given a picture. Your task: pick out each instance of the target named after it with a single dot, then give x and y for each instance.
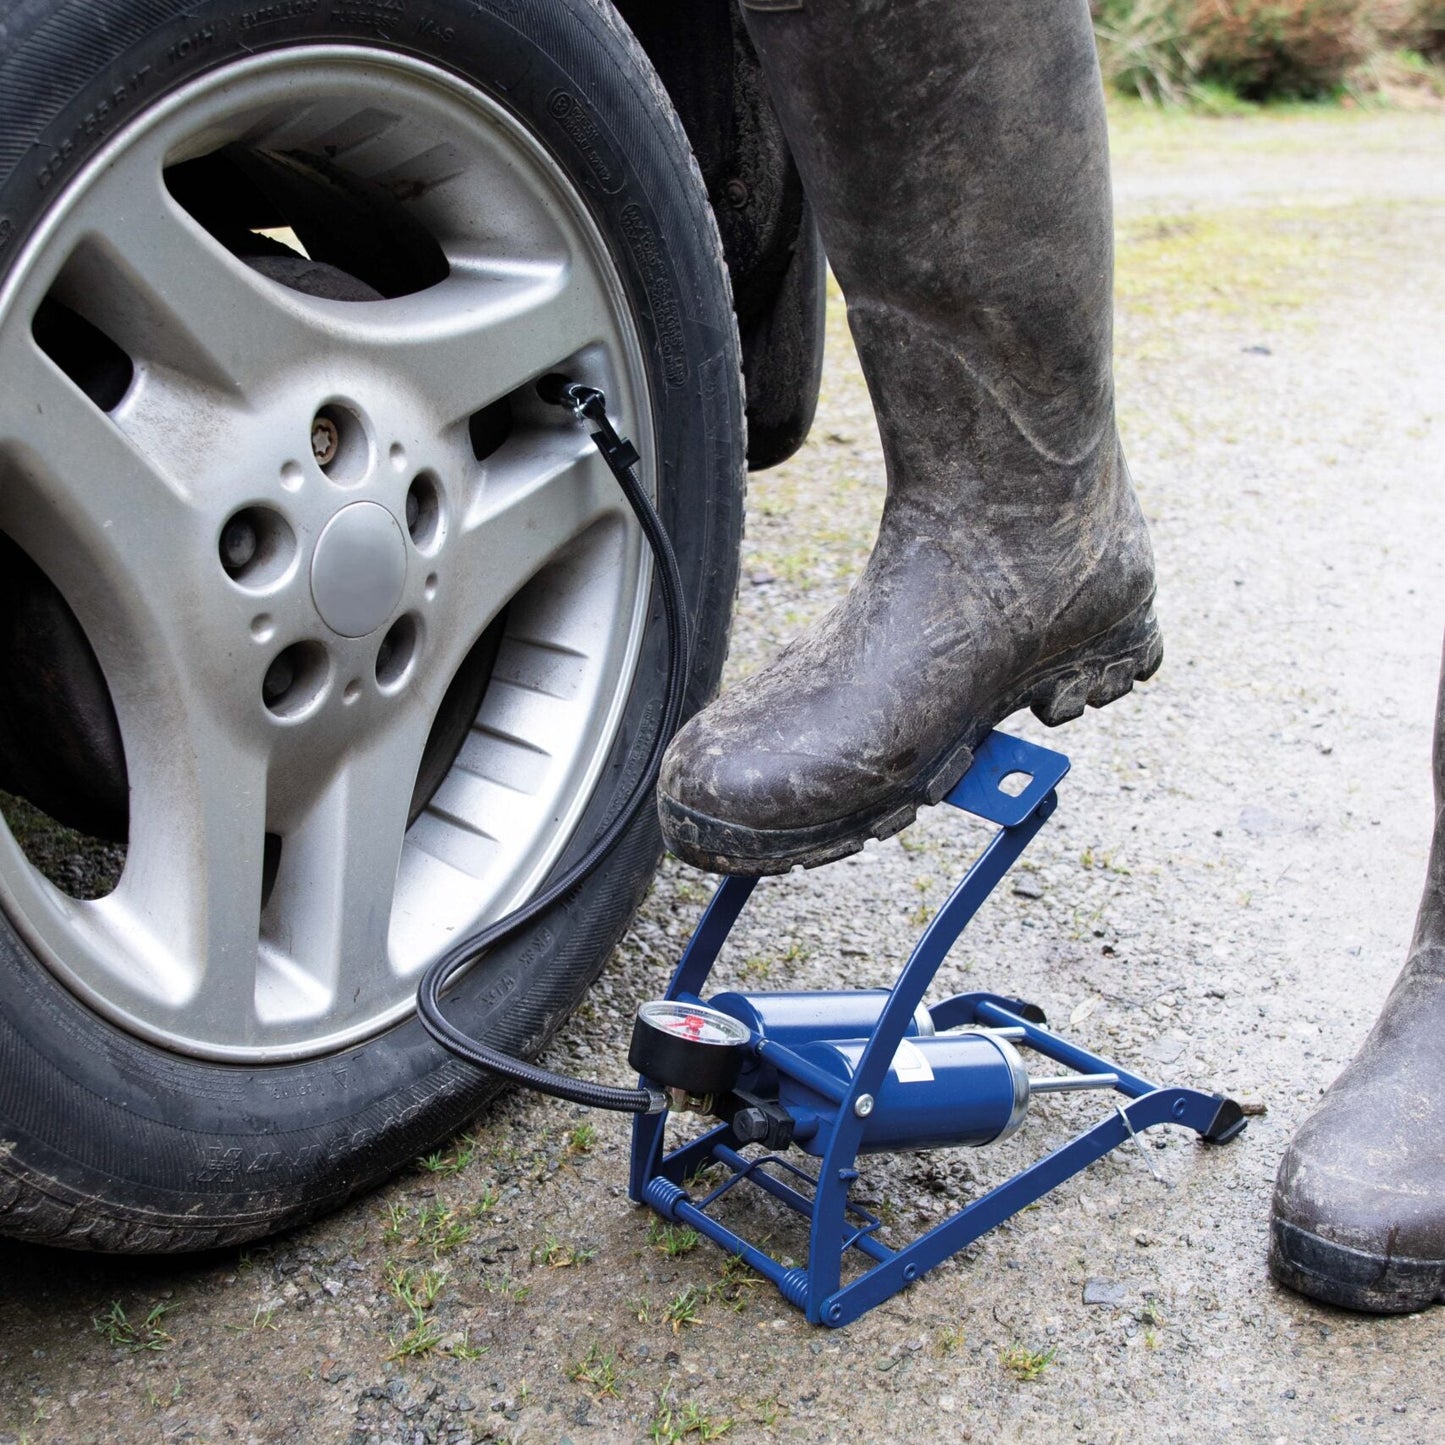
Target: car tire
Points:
(132, 1119)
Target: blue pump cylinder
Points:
(953, 1089)
(801, 1018)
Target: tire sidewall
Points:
(186, 1154)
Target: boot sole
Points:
(1093, 674)
(1353, 1279)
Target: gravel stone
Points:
(1105, 1292)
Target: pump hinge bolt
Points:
(864, 1106)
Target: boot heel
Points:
(1100, 671)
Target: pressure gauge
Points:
(687, 1046)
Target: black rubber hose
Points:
(619, 454)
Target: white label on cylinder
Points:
(911, 1064)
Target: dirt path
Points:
(1222, 899)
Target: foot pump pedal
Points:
(839, 1074)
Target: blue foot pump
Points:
(834, 1074)
(841, 1074)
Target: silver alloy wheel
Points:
(292, 694)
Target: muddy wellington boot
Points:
(956, 157)
(1359, 1203)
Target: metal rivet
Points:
(864, 1106)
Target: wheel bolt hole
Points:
(424, 512)
(280, 678)
(397, 651)
(340, 445)
(294, 679)
(256, 546)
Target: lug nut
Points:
(239, 544)
(325, 440)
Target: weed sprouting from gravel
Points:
(597, 1369)
(421, 1339)
(158, 1401)
(436, 1228)
(768, 1410)
(453, 1160)
(684, 1308)
(582, 1139)
(263, 1318)
(674, 1240)
(706, 1176)
(754, 969)
(1026, 1364)
(416, 1290)
(737, 1277)
(116, 1328)
(396, 1216)
(440, 1230)
(557, 1253)
(674, 1423)
(508, 1287)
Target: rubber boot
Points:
(1359, 1202)
(956, 156)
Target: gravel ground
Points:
(1222, 899)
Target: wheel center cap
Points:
(358, 569)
